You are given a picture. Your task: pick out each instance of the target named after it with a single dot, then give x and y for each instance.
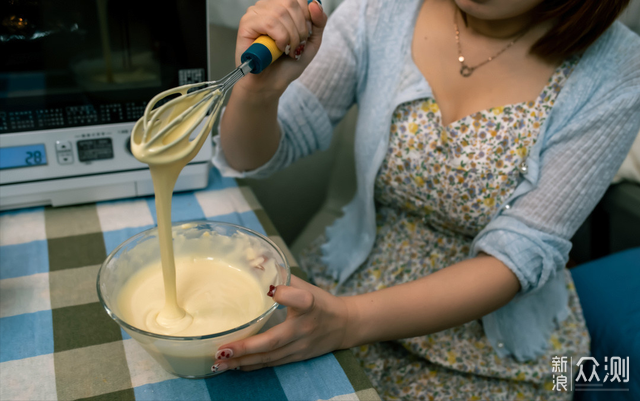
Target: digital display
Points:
(95, 149)
(23, 156)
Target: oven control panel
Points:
(71, 152)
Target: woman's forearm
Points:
(447, 298)
(249, 129)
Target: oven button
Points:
(65, 157)
(62, 146)
(64, 152)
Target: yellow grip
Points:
(271, 45)
(262, 52)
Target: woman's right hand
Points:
(296, 26)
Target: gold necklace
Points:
(466, 70)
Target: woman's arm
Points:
(319, 322)
(563, 184)
(306, 112)
(450, 297)
(249, 130)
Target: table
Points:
(58, 343)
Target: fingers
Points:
(276, 362)
(317, 15)
(318, 21)
(287, 22)
(271, 348)
(291, 19)
(278, 25)
(314, 326)
(276, 342)
(304, 7)
(264, 361)
(299, 301)
(300, 16)
(273, 358)
(276, 337)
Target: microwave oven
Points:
(75, 76)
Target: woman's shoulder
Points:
(613, 60)
(619, 37)
(608, 71)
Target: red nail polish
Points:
(224, 353)
(219, 367)
(299, 50)
(272, 291)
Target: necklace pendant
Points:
(466, 71)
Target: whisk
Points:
(170, 125)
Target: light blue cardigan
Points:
(580, 146)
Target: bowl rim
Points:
(126, 325)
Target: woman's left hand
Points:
(316, 324)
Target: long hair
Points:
(578, 24)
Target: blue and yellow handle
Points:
(262, 52)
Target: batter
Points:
(211, 307)
(150, 299)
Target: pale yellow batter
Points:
(216, 297)
(152, 299)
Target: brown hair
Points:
(578, 24)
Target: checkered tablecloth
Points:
(57, 342)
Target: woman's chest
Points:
(455, 176)
(458, 175)
(499, 71)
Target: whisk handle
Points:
(262, 52)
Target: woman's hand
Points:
(316, 324)
(296, 26)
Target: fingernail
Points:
(219, 367)
(299, 50)
(224, 353)
(272, 288)
(310, 27)
(320, 4)
(287, 50)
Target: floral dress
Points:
(438, 186)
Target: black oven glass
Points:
(69, 63)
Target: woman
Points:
(487, 132)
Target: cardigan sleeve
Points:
(532, 236)
(316, 102)
(575, 169)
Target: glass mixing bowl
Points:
(189, 357)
